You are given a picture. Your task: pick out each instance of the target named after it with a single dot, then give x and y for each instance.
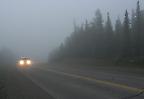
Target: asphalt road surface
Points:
(58, 82)
(19, 86)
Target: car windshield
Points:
(24, 58)
(71, 49)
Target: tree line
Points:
(99, 39)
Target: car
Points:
(24, 62)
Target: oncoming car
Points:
(24, 62)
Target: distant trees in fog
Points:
(98, 39)
(7, 57)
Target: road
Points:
(18, 86)
(63, 82)
(78, 83)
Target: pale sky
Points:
(35, 27)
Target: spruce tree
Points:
(109, 37)
(126, 36)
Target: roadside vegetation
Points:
(3, 94)
(6, 60)
(122, 43)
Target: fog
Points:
(35, 27)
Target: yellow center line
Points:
(104, 82)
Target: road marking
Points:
(104, 82)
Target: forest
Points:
(99, 39)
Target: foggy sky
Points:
(35, 27)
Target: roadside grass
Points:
(125, 65)
(111, 62)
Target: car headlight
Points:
(21, 62)
(28, 62)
